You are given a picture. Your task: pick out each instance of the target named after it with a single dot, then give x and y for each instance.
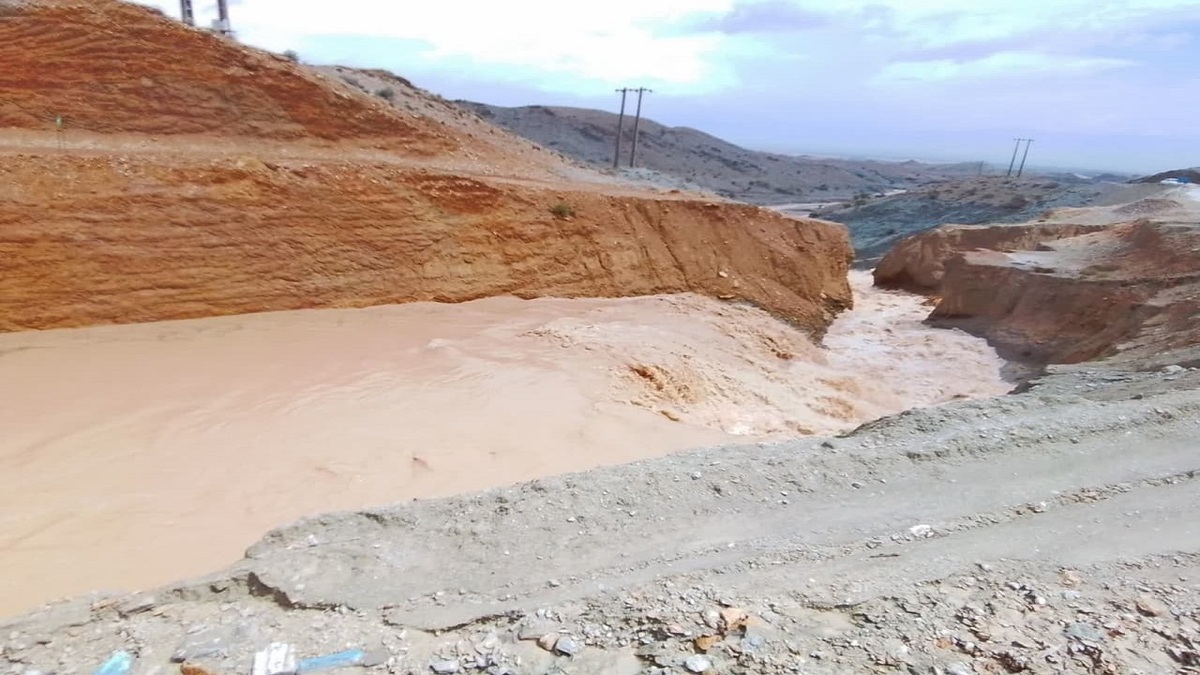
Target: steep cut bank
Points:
(232, 181)
(1090, 283)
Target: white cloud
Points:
(936, 23)
(1002, 64)
(614, 41)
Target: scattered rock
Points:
(1150, 606)
(733, 618)
(697, 664)
(444, 667)
(1084, 632)
(567, 646)
(959, 668)
(548, 641)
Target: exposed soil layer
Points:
(1089, 283)
(365, 203)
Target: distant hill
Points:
(1191, 175)
(710, 163)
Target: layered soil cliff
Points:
(226, 180)
(1086, 284)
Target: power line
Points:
(637, 122)
(620, 126)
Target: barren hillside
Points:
(709, 162)
(228, 180)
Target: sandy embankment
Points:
(134, 455)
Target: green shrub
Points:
(562, 210)
(387, 93)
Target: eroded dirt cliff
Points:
(1089, 284)
(228, 180)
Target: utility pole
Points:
(620, 126)
(223, 25)
(637, 120)
(1013, 162)
(1028, 142)
(186, 13)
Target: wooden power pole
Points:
(637, 120)
(620, 126)
(1028, 142)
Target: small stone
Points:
(959, 668)
(548, 641)
(696, 475)
(568, 646)
(1071, 595)
(697, 663)
(188, 669)
(534, 631)
(1148, 605)
(1084, 632)
(921, 530)
(554, 583)
(444, 667)
(1173, 369)
(137, 604)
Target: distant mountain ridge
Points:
(711, 163)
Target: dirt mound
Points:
(1147, 207)
(364, 203)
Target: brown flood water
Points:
(135, 455)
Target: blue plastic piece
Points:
(350, 657)
(120, 663)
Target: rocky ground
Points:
(1050, 531)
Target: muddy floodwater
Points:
(132, 456)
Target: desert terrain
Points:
(290, 363)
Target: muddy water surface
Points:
(134, 455)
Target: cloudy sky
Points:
(1106, 84)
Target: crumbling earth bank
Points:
(1060, 292)
(90, 240)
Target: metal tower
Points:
(186, 13)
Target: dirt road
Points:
(1042, 517)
